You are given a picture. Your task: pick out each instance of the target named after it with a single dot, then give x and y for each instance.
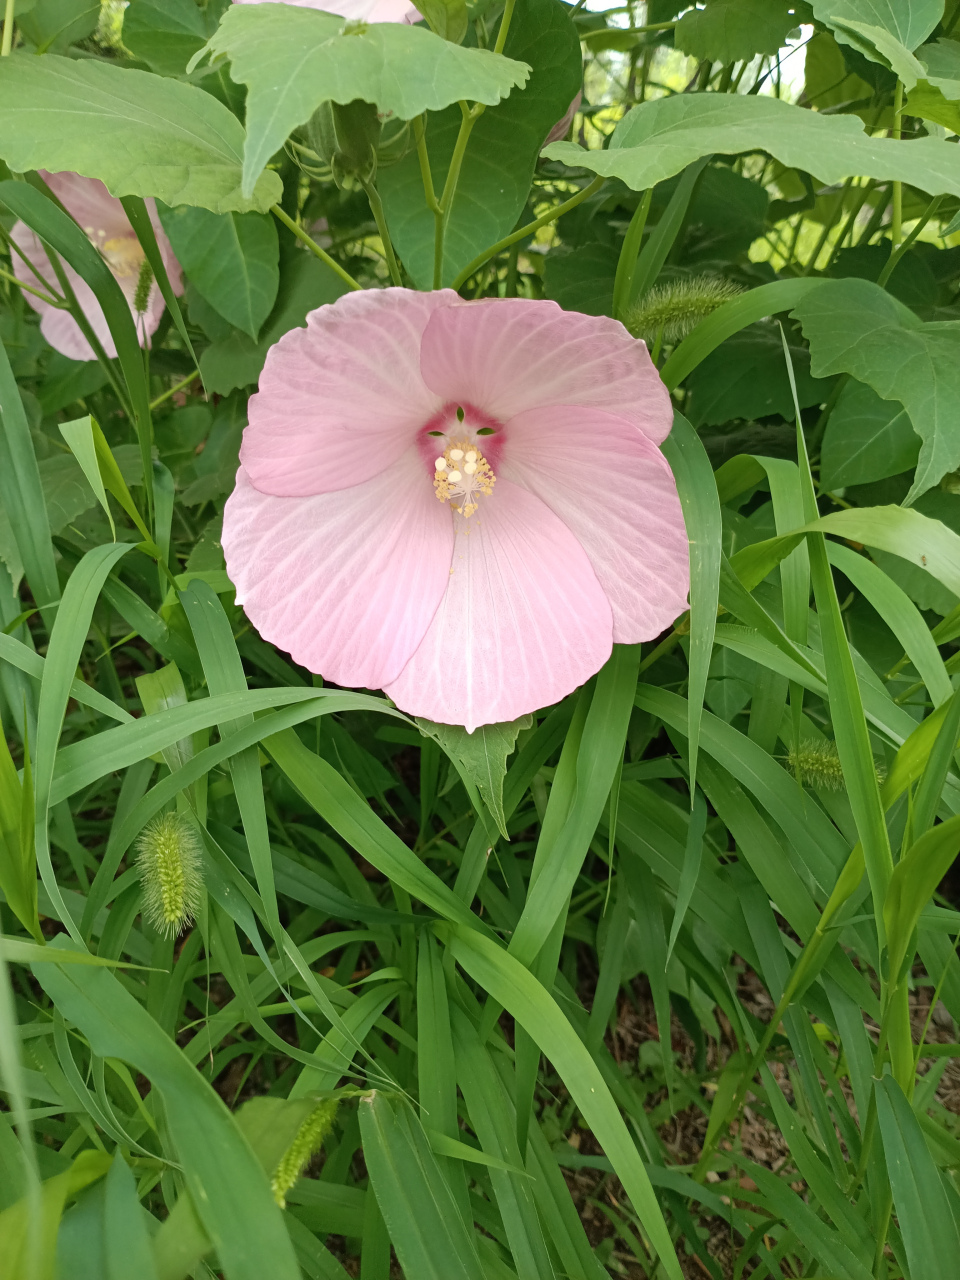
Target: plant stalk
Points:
(376, 205)
(7, 43)
(314, 248)
(557, 212)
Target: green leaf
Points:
(15, 1223)
(854, 326)
(165, 34)
(237, 1211)
(232, 259)
(735, 30)
(912, 884)
(581, 279)
(17, 951)
(910, 23)
(337, 802)
(867, 438)
(431, 1239)
(562, 849)
(56, 24)
(61, 233)
(745, 378)
(658, 139)
(499, 161)
(880, 45)
(129, 1255)
(942, 61)
(24, 520)
(930, 104)
(292, 59)
(67, 494)
(924, 1210)
(140, 134)
(518, 991)
(729, 319)
(481, 755)
(688, 460)
(237, 361)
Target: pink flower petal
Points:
(342, 399)
(103, 219)
(614, 490)
(345, 582)
(505, 355)
(522, 623)
(361, 10)
(89, 203)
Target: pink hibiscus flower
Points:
(460, 503)
(105, 224)
(361, 10)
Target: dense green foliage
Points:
(659, 982)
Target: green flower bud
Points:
(305, 1145)
(168, 852)
(670, 311)
(346, 137)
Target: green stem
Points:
(876, 218)
(827, 228)
(7, 44)
(470, 117)
(629, 252)
(896, 224)
(179, 386)
(665, 646)
(847, 228)
(628, 31)
(314, 248)
(504, 25)
(60, 304)
(557, 212)
(426, 174)
(900, 249)
(376, 205)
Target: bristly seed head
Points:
(141, 299)
(461, 476)
(305, 1145)
(676, 308)
(168, 852)
(817, 764)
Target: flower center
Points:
(462, 475)
(122, 254)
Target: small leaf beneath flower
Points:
(481, 755)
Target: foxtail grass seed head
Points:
(141, 299)
(304, 1147)
(818, 765)
(168, 852)
(678, 307)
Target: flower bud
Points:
(346, 137)
(305, 1145)
(168, 852)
